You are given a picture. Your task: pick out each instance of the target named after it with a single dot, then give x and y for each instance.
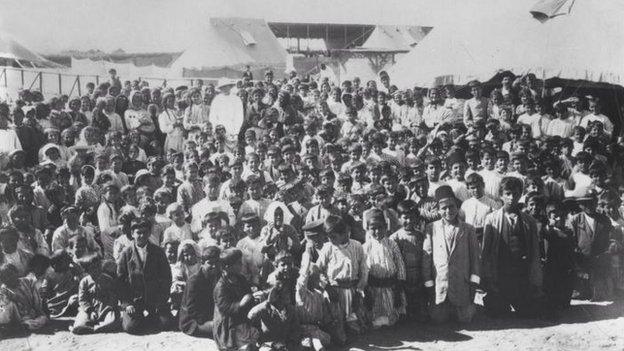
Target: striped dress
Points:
(384, 261)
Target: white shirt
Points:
(608, 126)
(534, 121)
(227, 110)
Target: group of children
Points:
(333, 211)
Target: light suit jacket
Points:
(452, 266)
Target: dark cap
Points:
(444, 192)
(230, 256)
(140, 223)
(313, 228)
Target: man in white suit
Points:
(451, 264)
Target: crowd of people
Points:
(302, 212)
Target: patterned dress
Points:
(385, 268)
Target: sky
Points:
(50, 26)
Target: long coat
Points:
(197, 305)
(144, 284)
(454, 265)
(228, 314)
(495, 227)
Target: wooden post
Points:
(60, 84)
(41, 82)
(22, 75)
(79, 88)
(97, 80)
(4, 73)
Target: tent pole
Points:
(4, 74)
(60, 84)
(79, 90)
(41, 82)
(22, 76)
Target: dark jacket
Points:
(198, 305)
(144, 284)
(228, 313)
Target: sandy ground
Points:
(585, 326)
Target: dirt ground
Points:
(585, 326)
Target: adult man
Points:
(227, 109)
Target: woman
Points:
(171, 124)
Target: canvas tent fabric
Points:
(125, 70)
(395, 37)
(497, 35)
(11, 49)
(229, 44)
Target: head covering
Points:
(230, 256)
(313, 228)
(444, 192)
(376, 216)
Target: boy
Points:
(324, 208)
(11, 253)
(432, 170)
(511, 256)
(592, 231)
(98, 311)
(410, 242)
(456, 165)
(20, 302)
(190, 191)
(451, 254)
(559, 265)
(491, 179)
(30, 238)
(251, 246)
(479, 205)
(256, 204)
(145, 278)
(476, 108)
(343, 262)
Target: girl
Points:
(196, 115)
(172, 124)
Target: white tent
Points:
(581, 40)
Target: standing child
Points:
(343, 262)
(179, 229)
(559, 265)
(410, 242)
(451, 267)
(386, 272)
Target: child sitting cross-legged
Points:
(21, 306)
(60, 286)
(98, 310)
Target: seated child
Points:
(11, 253)
(98, 310)
(20, 302)
(60, 286)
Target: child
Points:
(70, 228)
(410, 243)
(190, 191)
(451, 255)
(162, 199)
(11, 253)
(21, 300)
(98, 310)
(187, 264)
(510, 258)
(233, 300)
(107, 217)
(197, 306)
(479, 204)
(251, 246)
(343, 262)
(30, 238)
(559, 265)
(434, 167)
(179, 229)
(256, 204)
(278, 235)
(145, 279)
(456, 166)
(491, 179)
(60, 286)
(278, 319)
(386, 272)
